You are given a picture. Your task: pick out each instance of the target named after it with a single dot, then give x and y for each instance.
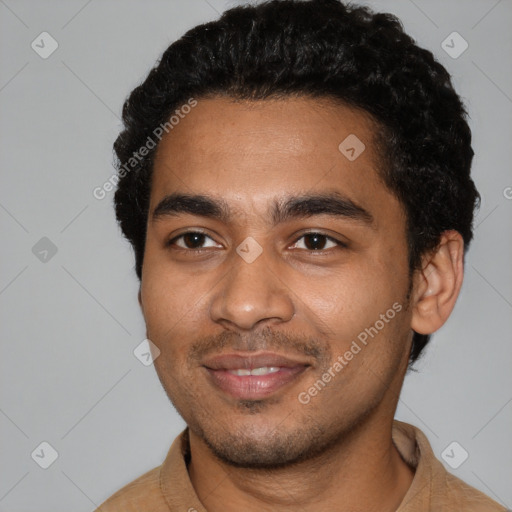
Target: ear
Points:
(437, 284)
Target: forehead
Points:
(253, 151)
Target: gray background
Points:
(70, 323)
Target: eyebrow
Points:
(282, 209)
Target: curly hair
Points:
(318, 49)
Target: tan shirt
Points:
(168, 488)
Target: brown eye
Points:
(316, 242)
(192, 240)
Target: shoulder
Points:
(159, 489)
(467, 498)
(433, 487)
(138, 495)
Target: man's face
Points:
(308, 286)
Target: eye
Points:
(313, 242)
(316, 242)
(191, 240)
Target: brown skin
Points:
(336, 452)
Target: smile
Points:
(264, 370)
(253, 377)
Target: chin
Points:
(266, 447)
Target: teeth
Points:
(264, 370)
(240, 372)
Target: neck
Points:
(361, 472)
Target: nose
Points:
(251, 294)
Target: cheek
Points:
(361, 306)
(345, 300)
(171, 309)
(366, 360)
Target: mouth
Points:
(253, 377)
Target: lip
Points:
(252, 387)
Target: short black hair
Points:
(318, 49)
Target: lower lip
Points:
(253, 387)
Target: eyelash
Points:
(340, 244)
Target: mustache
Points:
(265, 339)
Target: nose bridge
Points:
(251, 291)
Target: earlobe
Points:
(437, 284)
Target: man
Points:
(295, 181)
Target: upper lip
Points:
(234, 361)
